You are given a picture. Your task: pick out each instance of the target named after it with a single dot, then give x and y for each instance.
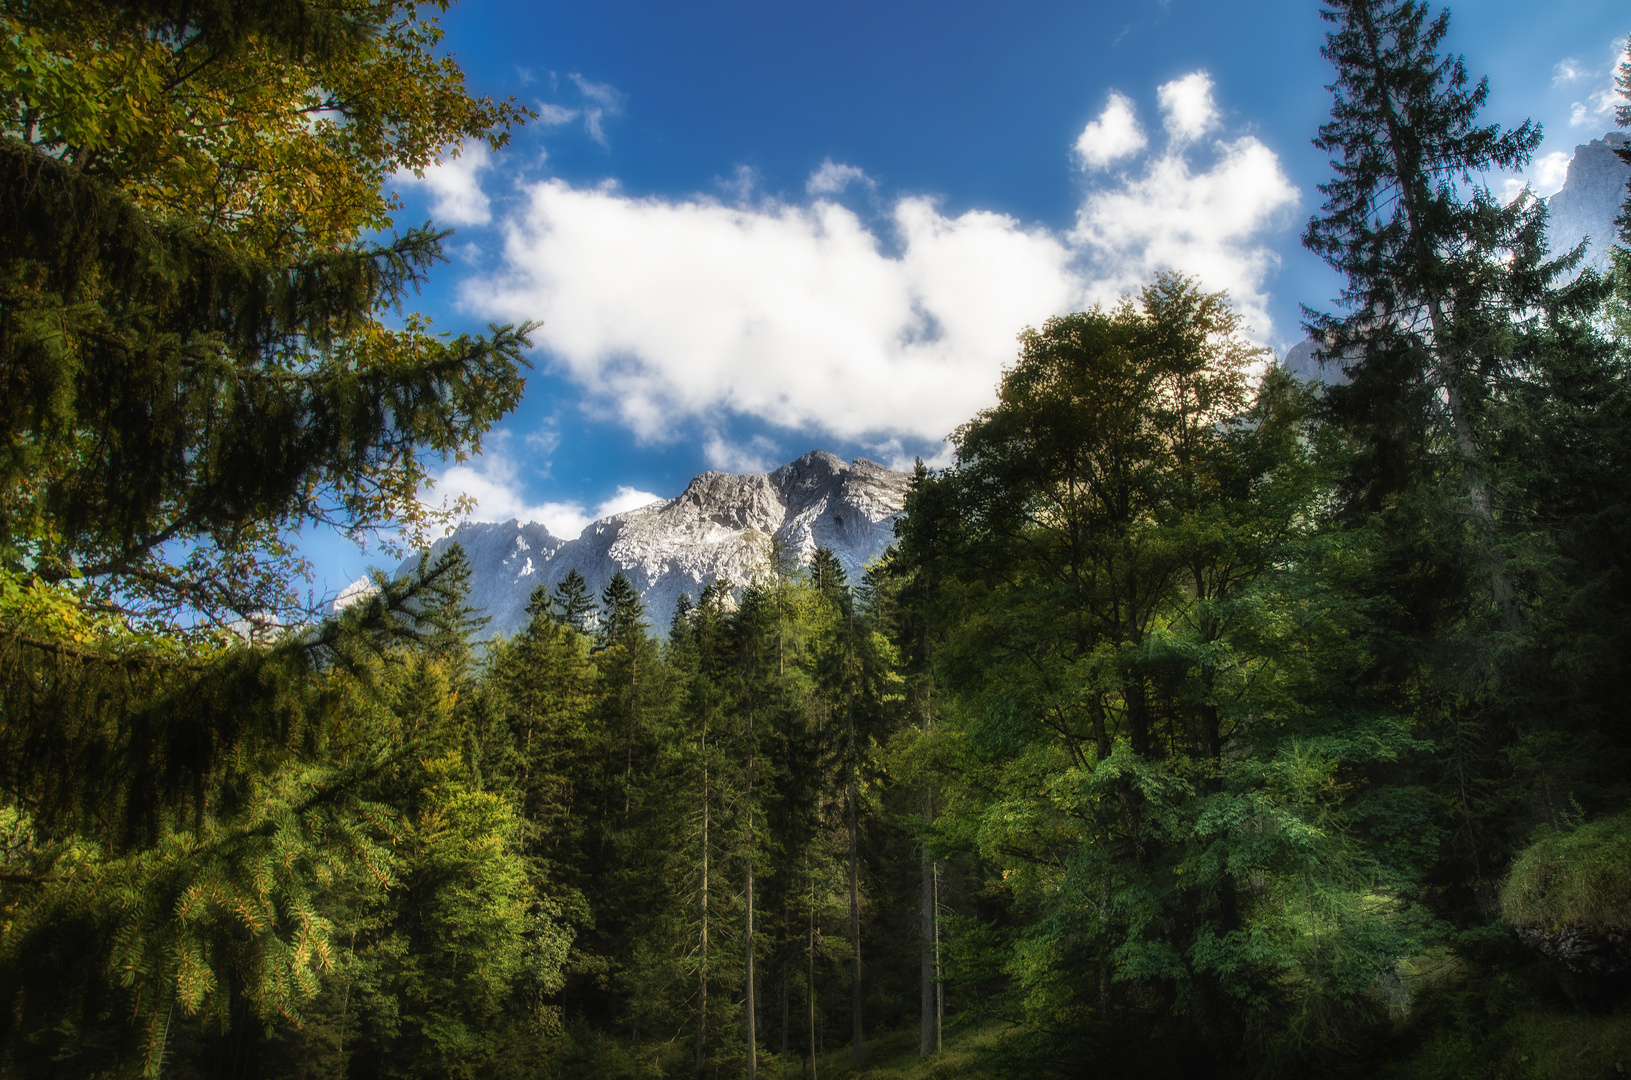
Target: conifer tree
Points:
(1437, 281)
(571, 605)
(196, 295)
(622, 613)
(1466, 341)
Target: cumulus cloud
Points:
(1548, 172)
(1206, 222)
(678, 313)
(492, 485)
(791, 314)
(758, 454)
(1544, 176)
(833, 178)
(1114, 135)
(455, 185)
(1187, 105)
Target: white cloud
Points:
(1114, 135)
(1544, 176)
(493, 482)
(1548, 172)
(1187, 103)
(832, 178)
(554, 115)
(1568, 70)
(604, 100)
(455, 185)
(1209, 223)
(1605, 101)
(758, 454)
(1598, 107)
(624, 498)
(740, 186)
(667, 310)
(681, 312)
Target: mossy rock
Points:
(1569, 898)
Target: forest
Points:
(1202, 721)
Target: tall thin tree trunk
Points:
(854, 902)
(929, 932)
(751, 990)
(932, 993)
(810, 975)
(702, 967)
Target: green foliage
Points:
(196, 362)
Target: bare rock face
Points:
(1590, 200)
(1590, 964)
(720, 527)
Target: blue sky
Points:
(754, 229)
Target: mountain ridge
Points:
(719, 527)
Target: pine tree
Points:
(622, 615)
(571, 606)
(181, 274)
(1436, 281)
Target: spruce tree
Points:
(622, 614)
(572, 606)
(1438, 279)
(182, 274)
(1467, 344)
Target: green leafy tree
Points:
(1117, 558)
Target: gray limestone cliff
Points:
(1590, 199)
(719, 527)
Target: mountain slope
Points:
(719, 527)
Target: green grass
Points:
(894, 1055)
(1530, 1044)
(1581, 878)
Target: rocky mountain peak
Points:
(1591, 197)
(718, 528)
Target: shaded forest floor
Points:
(894, 1055)
(1511, 1023)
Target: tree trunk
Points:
(854, 905)
(751, 991)
(702, 967)
(929, 930)
(810, 984)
